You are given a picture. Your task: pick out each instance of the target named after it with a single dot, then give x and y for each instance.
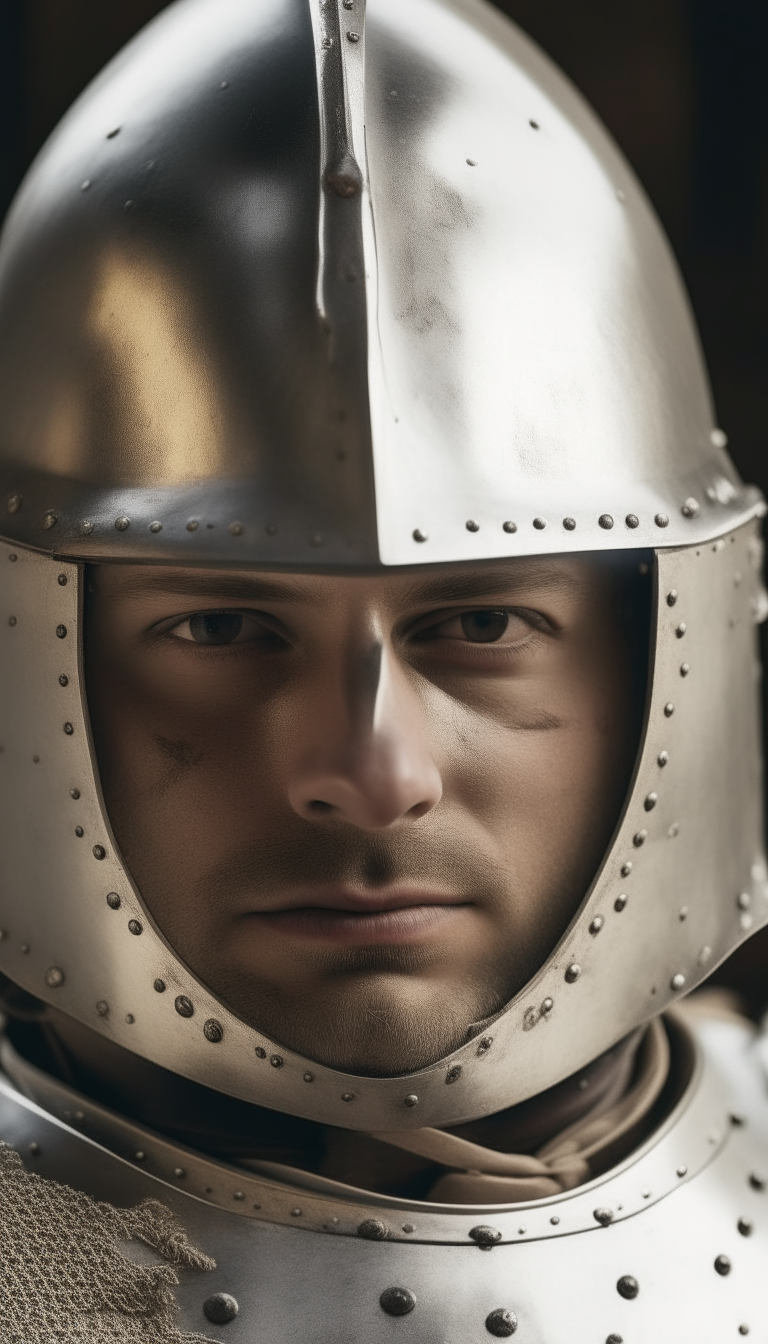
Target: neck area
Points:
(235, 1131)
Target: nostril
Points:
(318, 806)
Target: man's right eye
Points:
(221, 627)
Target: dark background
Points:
(683, 86)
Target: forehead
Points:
(512, 580)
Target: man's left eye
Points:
(483, 626)
(220, 627)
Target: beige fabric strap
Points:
(483, 1174)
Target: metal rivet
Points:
(614, 1339)
(122, 523)
(554, 1220)
(156, 527)
(353, 37)
(63, 680)
(184, 1006)
(639, 838)
(34, 1149)
(690, 508)
(603, 1216)
(54, 977)
(79, 832)
(276, 1061)
(483, 1235)
(192, 525)
(13, 558)
(260, 1052)
(408, 1227)
(50, 519)
(661, 520)
(746, 1227)
(308, 1077)
(680, 629)
(327, 42)
(573, 972)
(677, 982)
(134, 927)
(111, 134)
(758, 1181)
(626, 868)
(569, 524)
(685, 669)
(418, 535)
(213, 1031)
(632, 520)
(743, 1329)
(472, 163)
(453, 1073)
(673, 830)
(671, 597)
(596, 925)
(669, 709)
(69, 730)
(14, 504)
(501, 1323)
(627, 1287)
(128, 205)
(744, 900)
(130, 1019)
(99, 852)
(179, 1173)
(683, 915)
(113, 900)
(102, 1008)
(372, 1229)
(682, 1170)
(397, 1301)
(86, 528)
(547, 1006)
(296, 1213)
(509, 526)
(539, 524)
(722, 1264)
(411, 1100)
(530, 1018)
(220, 1308)
(620, 904)
(663, 758)
(472, 525)
(605, 520)
(61, 632)
(11, 620)
(158, 986)
(651, 802)
(485, 1045)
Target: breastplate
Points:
(668, 1247)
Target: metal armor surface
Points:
(294, 288)
(294, 284)
(669, 1245)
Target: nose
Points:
(367, 761)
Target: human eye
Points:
(501, 626)
(220, 627)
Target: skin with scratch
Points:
(365, 818)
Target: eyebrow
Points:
(457, 585)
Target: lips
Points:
(362, 918)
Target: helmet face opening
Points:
(339, 294)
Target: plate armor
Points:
(670, 1245)
(299, 286)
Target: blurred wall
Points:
(682, 85)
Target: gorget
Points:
(670, 1245)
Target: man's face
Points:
(363, 810)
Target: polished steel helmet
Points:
(297, 286)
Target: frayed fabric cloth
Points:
(64, 1279)
(485, 1176)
